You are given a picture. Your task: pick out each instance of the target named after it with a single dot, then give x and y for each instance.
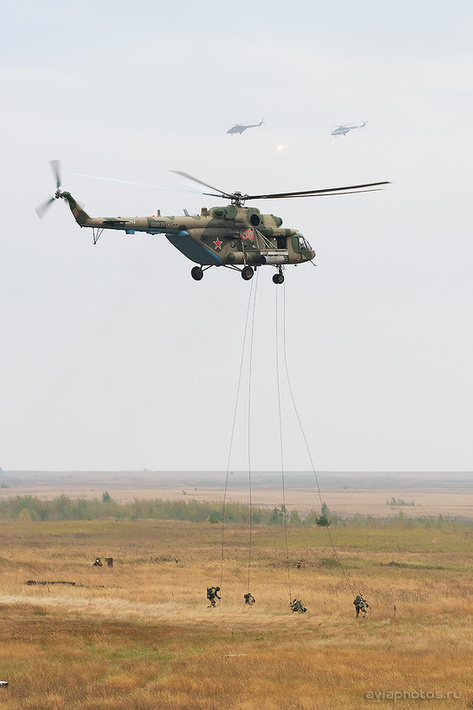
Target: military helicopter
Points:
(343, 130)
(233, 236)
(240, 127)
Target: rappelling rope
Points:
(251, 300)
(250, 502)
(281, 453)
(249, 336)
(332, 544)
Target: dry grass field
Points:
(140, 635)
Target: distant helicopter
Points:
(240, 127)
(233, 236)
(343, 130)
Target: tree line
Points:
(28, 507)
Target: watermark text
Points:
(396, 695)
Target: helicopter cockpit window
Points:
(304, 244)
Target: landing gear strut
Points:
(197, 273)
(279, 277)
(247, 273)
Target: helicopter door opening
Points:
(281, 242)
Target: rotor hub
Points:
(237, 199)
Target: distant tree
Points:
(310, 518)
(295, 518)
(324, 519)
(278, 516)
(399, 501)
(106, 498)
(24, 516)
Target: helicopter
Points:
(233, 236)
(343, 130)
(240, 127)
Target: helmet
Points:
(217, 589)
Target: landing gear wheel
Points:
(278, 279)
(197, 273)
(247, 273)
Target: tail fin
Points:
(80, 215)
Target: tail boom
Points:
(80, 215)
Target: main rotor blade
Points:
(315, 193)
(56, 168)
(130, 182)
(221, 194)
(338, 194)
(42, 208)
(189, 177)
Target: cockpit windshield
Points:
(304, 244)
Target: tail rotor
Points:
(44, 206)
(56, 168)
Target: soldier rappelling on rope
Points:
(212, 595)
(297, 605)
(249, 599)
(360, 604)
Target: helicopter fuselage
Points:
(220, 236)
(239, 128)
(234, 236)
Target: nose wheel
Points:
(279, 277)
(197, 273)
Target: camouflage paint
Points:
(221, 235)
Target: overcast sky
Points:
(113, 358)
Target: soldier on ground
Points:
(98, 562)
(249, 598)
(360, 604)
(212, 595)
(297, 605)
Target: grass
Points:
(140, 635)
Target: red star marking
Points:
(218, 244)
